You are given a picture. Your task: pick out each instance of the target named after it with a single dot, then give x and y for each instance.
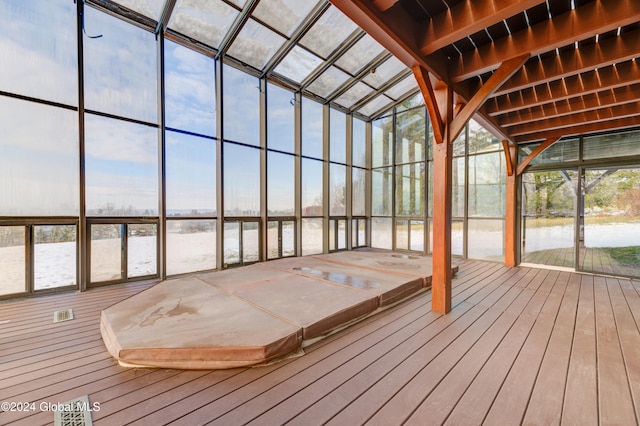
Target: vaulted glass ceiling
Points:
(307, 45)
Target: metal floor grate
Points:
(64, 315)
(77, 415)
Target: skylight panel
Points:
(205, 21)
(255, 44)
(149, 8)
(283, 15)
(328, 33)
(385, 72)
(328, 81)
(360, 54)
(376, 104)
(353, 95)
(298, 64)
(406, 85)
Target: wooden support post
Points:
(442, 183)
(447, 124)
(510, 244)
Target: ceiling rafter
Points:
(593, 116)
(467, 18)
(396, 30)
(302, 29)
(589, 57)
(375, 63)
(236, 27)
(602, 126)
(609, 77)
(383, 5)
(606, 98)
(390, 83)
(560, 31)
(582, 75)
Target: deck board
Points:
(545, 404)
(580, 404)
(521, 345)
(615, 403)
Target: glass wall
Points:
(548, 226)
(585, 217)
(237, 157)
(402, 186)
(13, 279)
(222, 166)
(609, 239)
(486, 196)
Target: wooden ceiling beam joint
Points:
(431, 102)
(544, 145)
(502, 74)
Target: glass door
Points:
(122, 251)
(548, 212)
(241, 242)
(609, 240)
(280, 238)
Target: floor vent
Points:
(73, 413)
(64, 315)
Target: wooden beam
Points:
(611, 50)
(502, 74)
(584, 22)
(617, 123)
(594, 116)
(610, 77)
(544, 145)
(442, 195)
(383, 5)
(607, 98)
(510, 162)
(466, 18)
(430, 101)
(396, 30)
(511, 206)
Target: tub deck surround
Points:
(259, 313)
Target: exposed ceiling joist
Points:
(466, 18)
(615, 124)
(594, 116)
(562, 30)
(607, 98)
(610, 77)
(596, 55)
(582, 76)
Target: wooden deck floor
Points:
(521, 346)
(595, 260)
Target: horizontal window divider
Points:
(312, 158)
(280, 152)
(186, 132)
(242, 144)
(120, 220)
(117, 117)
(38, 101)
(183, 218)
(50, 220)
